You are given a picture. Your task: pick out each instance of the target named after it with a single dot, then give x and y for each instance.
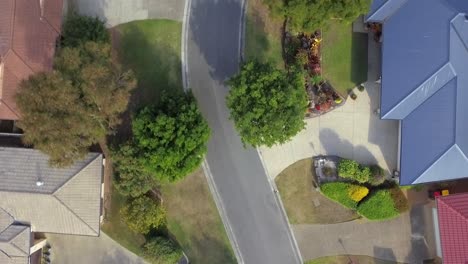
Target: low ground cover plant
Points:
(340, 192)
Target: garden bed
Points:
(304, 51)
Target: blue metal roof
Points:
(425, 84)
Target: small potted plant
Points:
(353, 96)
(361, 88)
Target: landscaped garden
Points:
(364, 189)
(304, 204)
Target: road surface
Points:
(254, 217)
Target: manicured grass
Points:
(305, 205)
(194, 220)
(151, 48)
(346, 260)
(116, 228)
(339, 192)
(262, 34)
(344, 56)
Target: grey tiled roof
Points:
(21, 168)
(67, 205)
(5, 220)
(15, 243)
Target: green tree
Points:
(104, 87)
(78, 29)
(171, 137)
(267, 105)
(54, 119)
(311, 15)
(65, 112)
(131, 179)
(162, 250)
(142, 214)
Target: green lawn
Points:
(151, 48)
(305, 205)
(344, 57)
(194, 220)
(346, 260)
(118, 230)
(262, 34)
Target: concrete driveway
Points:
(352, 131)
(68, 249)
(406, 239)
(116, 12)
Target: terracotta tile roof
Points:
(28, 32)
(453, 225)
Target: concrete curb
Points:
(206, 169)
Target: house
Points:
(424, 85)
(28, 33)
(452, 228)
(37, 198)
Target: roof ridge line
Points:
(433, 163)
(387, 3)
(458, 33)
(76, 215)
(453, 209)
(78, 172)
(5, 104)
(13, 244)
(421, 86)
(21, 59)
(29, 247)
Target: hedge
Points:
(339, 192)
(380, 205)
(352, 170)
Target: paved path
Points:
(255, 220)
(353, 131)
(122, 11)
(67, 249)
(407, 239)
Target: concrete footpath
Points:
(116, 12)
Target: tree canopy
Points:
(78, 29)
(267, 105)
(171, 137)
(311, 15)
(162, 250)
(131, 179)
(142, 214)
(67, 111)
(54, 119)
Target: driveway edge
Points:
(206, 169)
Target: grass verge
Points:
(118, 230)
(151, 48)
(262, 34)
(344, 57)
(349, 259)
(305, 205)
(194, 220)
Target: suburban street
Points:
(258, 226)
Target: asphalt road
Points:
(258, 224)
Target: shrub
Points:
(78, 29)
(401, 203)
(378, 175)
(302, 57)
(162, 250)
(357, 193)
(350, 169)
(142, 214)
(339, 192)
(379, 205)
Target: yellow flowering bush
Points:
(357, 193)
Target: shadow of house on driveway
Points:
(332, 143)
